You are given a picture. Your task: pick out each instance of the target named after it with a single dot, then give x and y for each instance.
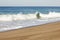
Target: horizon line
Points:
(29, 6)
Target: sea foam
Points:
(21, 20)
(20, 16)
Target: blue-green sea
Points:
(21, 17)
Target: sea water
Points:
(20, 17)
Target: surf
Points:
(21, 16)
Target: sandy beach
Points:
(49, 31)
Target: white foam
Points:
(11, 17)
(5, 26)
(50, 15)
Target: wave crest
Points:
(11, 17)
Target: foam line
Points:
(11, 17)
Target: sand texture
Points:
(49, 31)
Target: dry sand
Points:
(43, 32)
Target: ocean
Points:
(21, 17)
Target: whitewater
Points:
(16, 21)
(20, 16)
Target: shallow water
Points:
(10, 25)
(20, 17)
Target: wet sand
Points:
(49, 31)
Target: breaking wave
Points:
(20, 16)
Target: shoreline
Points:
(23, 27)
(50, 23)
(49, 31)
